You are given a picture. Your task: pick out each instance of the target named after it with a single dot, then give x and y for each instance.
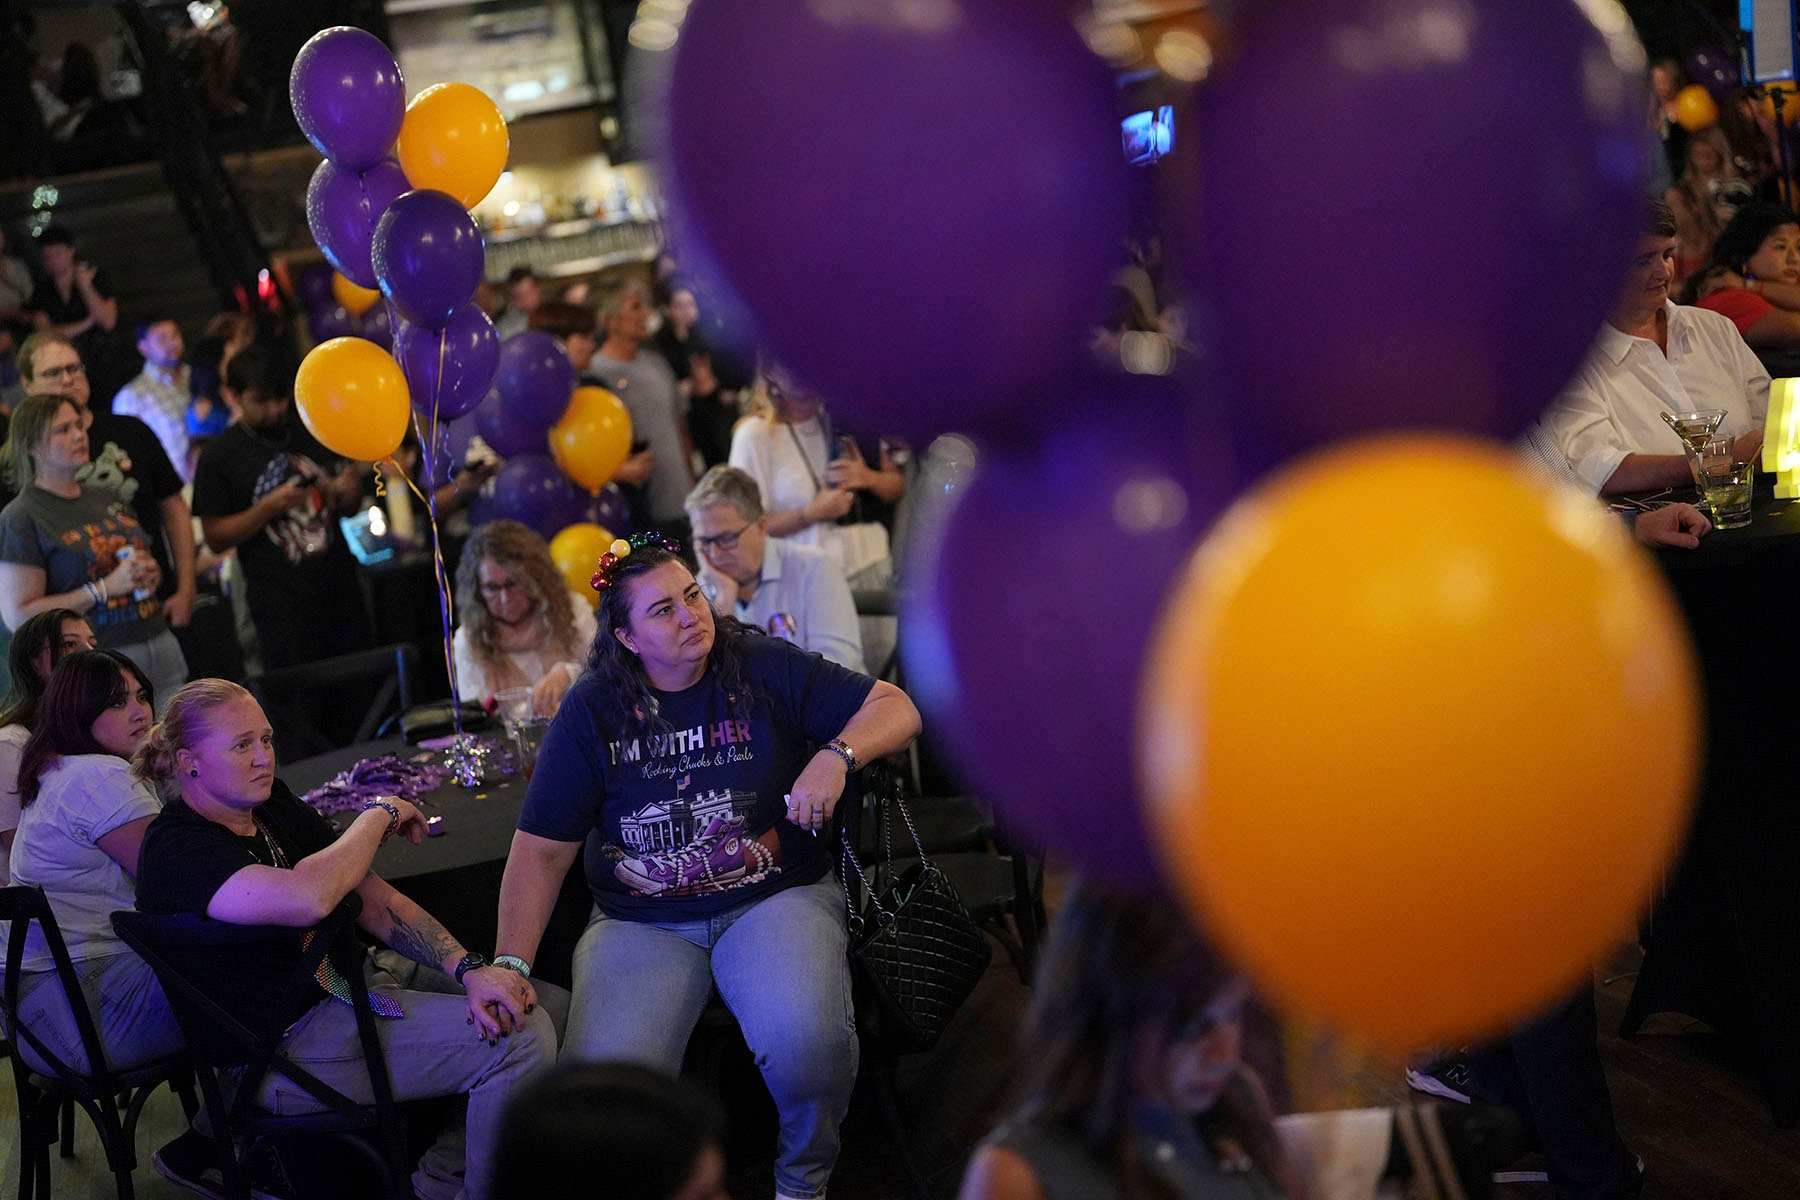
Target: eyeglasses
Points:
(723, 541)
(499, 589)
(68, 372)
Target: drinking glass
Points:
(1726, 478)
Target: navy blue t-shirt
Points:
(692, 820)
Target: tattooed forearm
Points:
(421, 939)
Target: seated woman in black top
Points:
(238, 846)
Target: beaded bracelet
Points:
(841, 748)
(393, 816)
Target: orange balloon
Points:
(355, 298)
(454, 140)
(1418, 767)
(353, 398)
(1790, 104)
(1694, 108)
(576, 552)
(593, 437)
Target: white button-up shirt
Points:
(1614, 405)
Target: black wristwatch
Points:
(470, 962)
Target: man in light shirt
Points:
(791, 590)
(159, 395)
(1653, 356)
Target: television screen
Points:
(1149, 134)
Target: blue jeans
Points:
(781, 965)
(131, 1016)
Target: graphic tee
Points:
(691, 819)
(125, 457)
(238, 468)
(78, 541)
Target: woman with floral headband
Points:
(698, 762)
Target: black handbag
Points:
(917, 950)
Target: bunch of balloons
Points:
(398, 231)
(1366, 717)
(336, 307)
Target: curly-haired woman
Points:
(521, 625)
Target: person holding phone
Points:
(268, 489)
(811, 479)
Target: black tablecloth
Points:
(1724, 943)
(456, 877)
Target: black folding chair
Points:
(177, 946)
(299, 699)
(113, 1099)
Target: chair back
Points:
(20, 906)
(294, 698)
(176, 944)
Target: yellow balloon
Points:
(593, 437)
(453, 140)
(1419, 776)
(1694, 108)
(355, 298)
(353, 398)
(576, 552)
(1790, 104)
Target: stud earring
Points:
(194, 771)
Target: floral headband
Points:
(621, 549)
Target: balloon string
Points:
(442, 578)
(428, 452)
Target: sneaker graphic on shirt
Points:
(719, 859)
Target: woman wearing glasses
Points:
(521, 625)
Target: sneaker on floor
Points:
(191, 1162)
(1449, 1080)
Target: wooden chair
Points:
(113, 1099)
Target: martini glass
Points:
(1695, 428)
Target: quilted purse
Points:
(917, 949)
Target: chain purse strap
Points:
(883, 915)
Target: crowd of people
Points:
(708, 698)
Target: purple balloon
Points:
(1363, 202)
(461, 434)
(312, 286)
(443, 460)
(1715, 70)
(348, 96)
(535, 379)
(374, 326)
(609, 509)
(342, 208)
(453, 366)
(493, 419)
(428, 256)
(328, 320)
(1103, 518)
(965, 198)
(530, 489)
